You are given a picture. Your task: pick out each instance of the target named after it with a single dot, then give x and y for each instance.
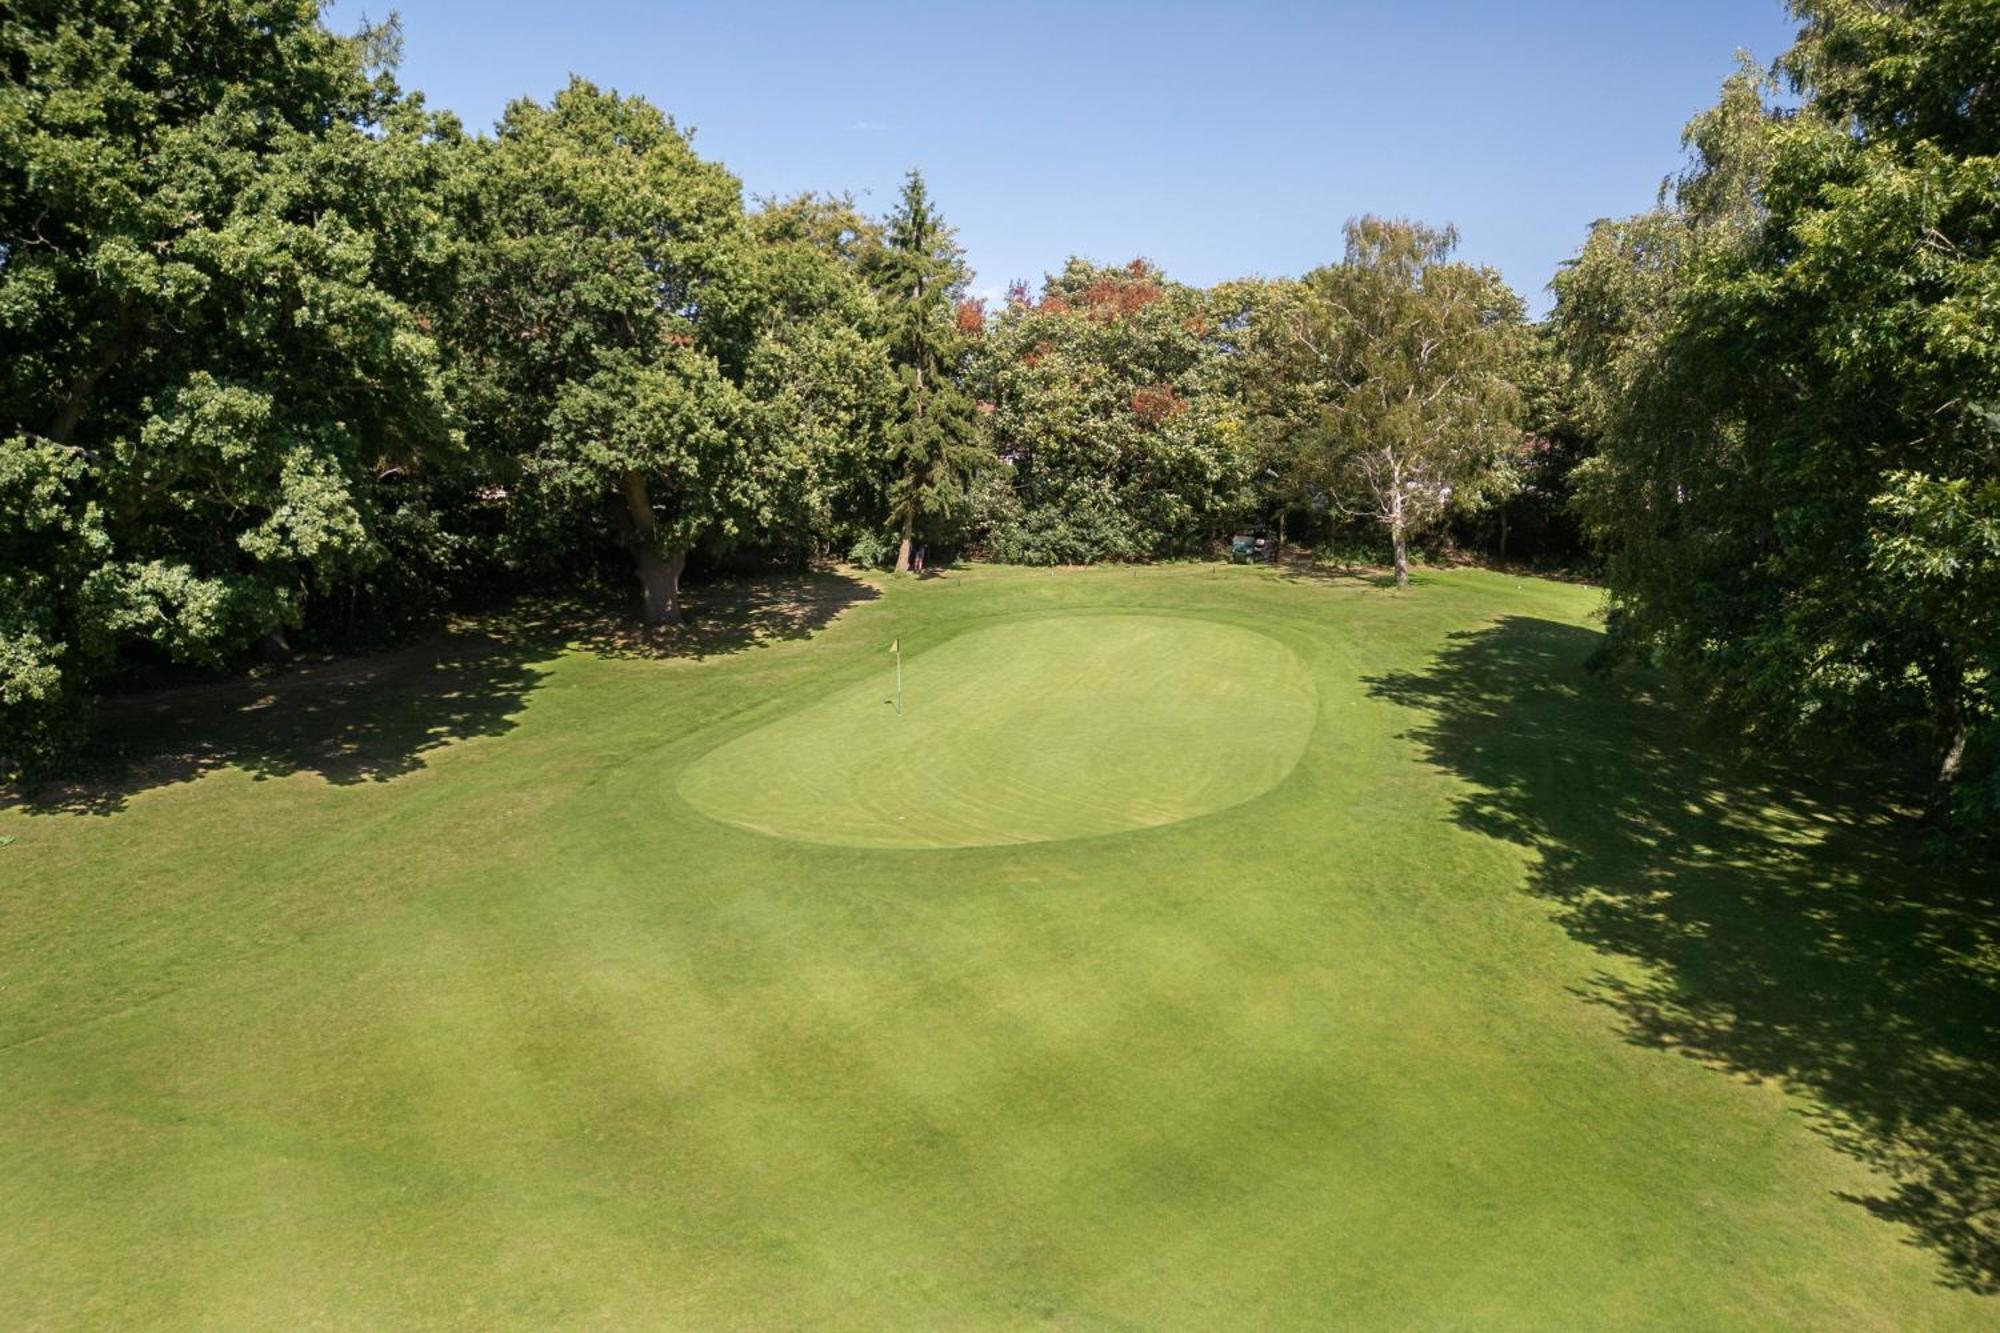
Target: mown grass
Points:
(413, 992)
(1031, 729)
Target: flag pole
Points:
(896, 647)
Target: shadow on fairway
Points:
(1296, 569)
(1791, 931)
(374, 717)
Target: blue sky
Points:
(1217, 139)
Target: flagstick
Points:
(899, 677)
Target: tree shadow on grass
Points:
(375, 717)
(721, 617)
(1311, 569)
(1791, 930)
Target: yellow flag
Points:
(896, 644)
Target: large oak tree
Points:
(607, 315)
(223, 247)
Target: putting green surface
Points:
(1024, 732)
(1411, 977)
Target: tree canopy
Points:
(1793, 367)
(225, 237)
(1106, 400)
(1389, 377)
(289, 357)
(933, 447)
(609, 324)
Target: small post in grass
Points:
(896, 647)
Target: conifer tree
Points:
(933, 442)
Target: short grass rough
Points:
(1204, 947)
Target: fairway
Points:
(1202, 948)
(1024, 732)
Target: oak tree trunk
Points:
(659, 570)
(660, 583)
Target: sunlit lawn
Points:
(1208, 948)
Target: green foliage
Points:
(873, 549)
(670, 415)
(286, 354)
(1790, 365)
(821, 383)
(283, 353)
(1934, 545)
(1529, 511)
(1390, 379)
(609, 311)
(933, 445)
(1108, 402)
(223, 244)
(641, 346)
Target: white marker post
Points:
(896, 647)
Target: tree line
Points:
(1787, 376)
(288, 356)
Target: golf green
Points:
(1024, 732)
